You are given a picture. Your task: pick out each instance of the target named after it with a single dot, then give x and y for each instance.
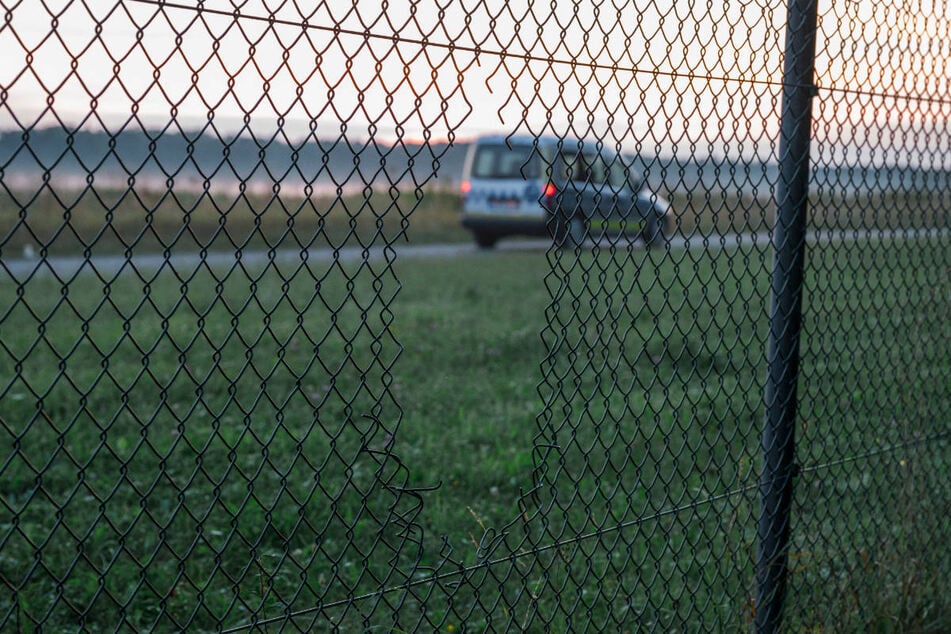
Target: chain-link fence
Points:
(694, 375)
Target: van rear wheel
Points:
(569, 232)
(656, 232)
(485, 240)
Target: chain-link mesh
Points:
(254, 376)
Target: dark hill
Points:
(198, 156)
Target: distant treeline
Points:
(193, 157)
(199, 159)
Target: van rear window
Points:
(499, 161)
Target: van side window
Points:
(582, 168)
(618, 177)
(498, 161)
(600, 172)
(624, 174)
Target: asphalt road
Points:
(110, 266)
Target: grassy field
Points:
(709, 211)
(109, 221)
(106, 221)
(211, 449)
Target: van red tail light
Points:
(548, 196)
(466, 187)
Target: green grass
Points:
(60, 221)
(64, 222)
(877, 366)
(216, 448)
(712, 211)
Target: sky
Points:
(682, 76)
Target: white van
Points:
(546, 186)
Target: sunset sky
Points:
(656, 77)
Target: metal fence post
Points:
(789, 236)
